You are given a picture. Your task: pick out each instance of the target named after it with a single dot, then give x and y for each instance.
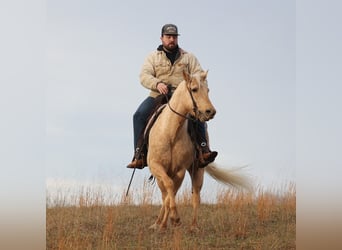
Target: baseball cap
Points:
(170, 29)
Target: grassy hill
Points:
(237, 220)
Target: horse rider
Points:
(162, 68)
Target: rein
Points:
(195, 107)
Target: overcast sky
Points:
(95, 50)
(69, 86)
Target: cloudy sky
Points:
(95, 50)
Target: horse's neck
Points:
(173, 122)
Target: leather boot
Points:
(139, 160)
(207, 155)
(136, 163)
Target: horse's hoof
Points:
(176, 222)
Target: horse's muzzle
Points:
(210, 113)
(207, 115)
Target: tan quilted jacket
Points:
(157, 68)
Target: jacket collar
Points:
(180, 50)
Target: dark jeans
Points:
(140, 118)
(142, 114)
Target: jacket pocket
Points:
(162, 69)
(180, 67)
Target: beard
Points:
(171, 46)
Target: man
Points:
(161, 68)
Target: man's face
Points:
(170, 42)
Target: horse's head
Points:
(196, 84)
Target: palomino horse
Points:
(171, 151)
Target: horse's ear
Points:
(186, 76)
(204, 75)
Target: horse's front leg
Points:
(166, 212)
(167, 188)
(197, 182)
(170, 203)
(157, 223)
(177, 182)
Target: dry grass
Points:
(237, 220)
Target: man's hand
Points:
(162, 88)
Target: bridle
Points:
(195, 107)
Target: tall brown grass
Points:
(265, 219)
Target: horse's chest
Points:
(183, 150)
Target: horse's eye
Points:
(194, 90)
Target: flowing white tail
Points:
(231, 177)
